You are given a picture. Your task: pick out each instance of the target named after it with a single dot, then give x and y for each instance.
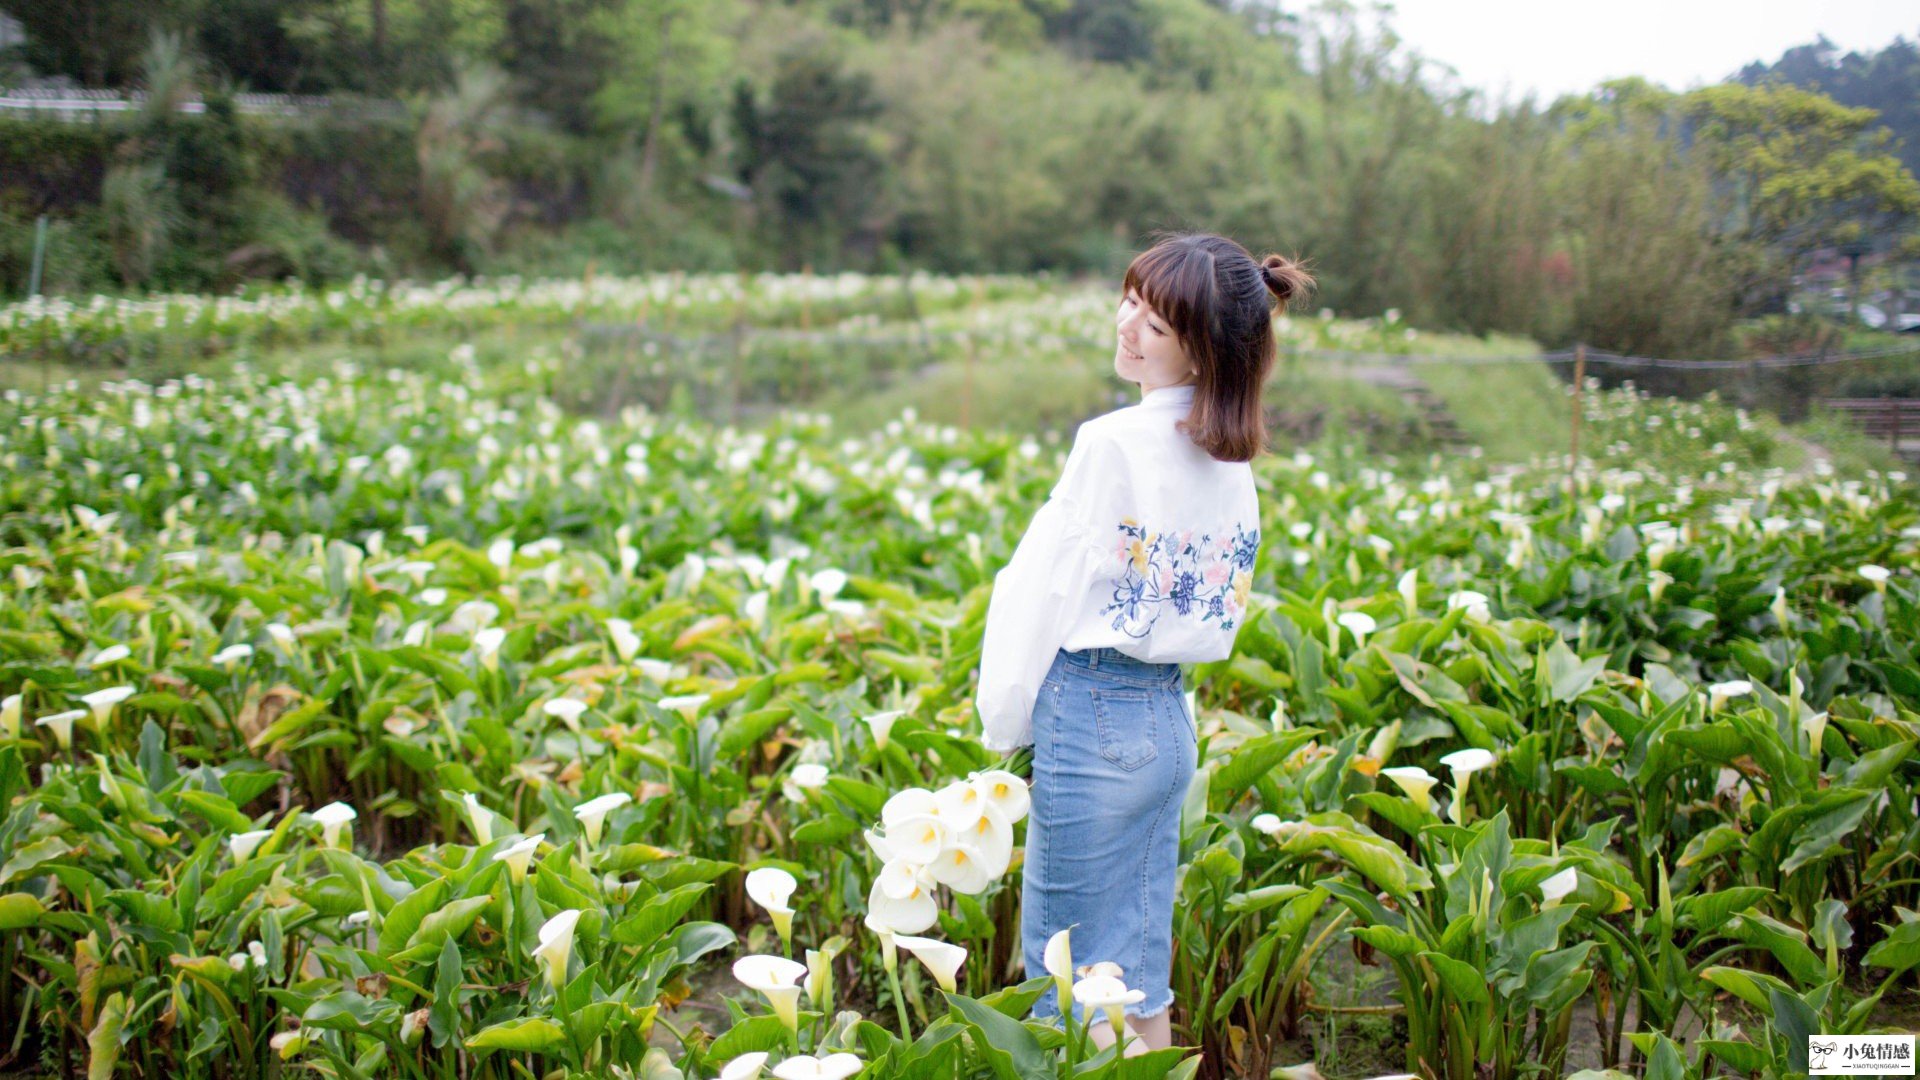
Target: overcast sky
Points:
(1558, 46)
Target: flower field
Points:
(395, 722)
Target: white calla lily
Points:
(909, 914)
(519, 856)
(479, 817)
(777, 978)
(243, 845)
(556, 945)
(61, 724)
(1463, 764)
(836, 1066)
(1416, 782)
(101, 702)
(772, 888)
(567, 710)
(943, 959)
(881, 724)
(1559, 886)
(593, 813)
(336, 818)
(745, 1067)
(1006, 793)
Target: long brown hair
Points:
(1219, 301)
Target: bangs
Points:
(1178, 283)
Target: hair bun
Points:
(1284, 277)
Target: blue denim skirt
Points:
(1113, 752)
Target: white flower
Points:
(909, 914)
(334, 818)
(500, 553)
(919, 839)
(771, 888)
(1415, 781)
(809, 775)
(103, 701)
(593, 813)
(519, 856)
(658, 671)
(962, 868)
(1359, 624)
(807, 1067)
(556, 945)
(243, 845)
(568, 710)
(283, 636)
(941, 958)
(828, 583)
(486, 644)
(1463, 764)
(685, 704)
(1409, 586)
(777, 978)
(625, 644)
(745, 1067)
(1718, 693)
(881, 724)
(10, 715)
(112, 654)
(1004, 792)
(62, 725)
(1875, 573)
(479, 817)
(1474, 602)
(991, 837)
(1557, 887)
(231, 656)
(1657, 582)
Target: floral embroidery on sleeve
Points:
(1197, 575)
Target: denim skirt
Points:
(1113, 752)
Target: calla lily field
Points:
(396, 722)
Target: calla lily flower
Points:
(992, 836)
(283, 636)
(1556, 888)
(919, 839)
(688, 704)
(10, 715)
(942, 958)
(909, 914)
(61, 723)
(881, 930)
(479, 817)
(1265, 823)
(881, 724)
(1108, 992)
(828, 583)
(1058, 960)
(1409, 587)
(486, 645)
(625, 643)
(593, 813)
(657, 671)
(809, 775)
(1815, 725)
(907, 803)
(819, 983)
(1416, 782)
(519, 856)
(1876, 574)
(745, 1067)
(1657, 582)
(963, 869)
(109, 656)
(1474, 602)
(1720, 692)
(1006, 793)
(807, 1067)
(1359, 624)
(776, 977)
(103, 701)
(771, 888)
(334, 818)
(1463, 764)
(230, 657)
(959, 805)
(568, 710)
(556, 945)
(243, 845)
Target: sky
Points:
(1560, 46)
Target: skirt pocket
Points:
(1128, 719)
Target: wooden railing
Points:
(1896, 420)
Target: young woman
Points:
(1140, 560)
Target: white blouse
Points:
(1146, 545)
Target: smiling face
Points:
(1146, 351)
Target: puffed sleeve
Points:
(1038, 594)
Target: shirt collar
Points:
(1181, 394)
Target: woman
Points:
(1140, 560)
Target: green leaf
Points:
(1005, 1043)
(748, 1036)
(103, 1042)
(645, 925)
(20, 910)
(1461, 980)
(443, 1020)
(1899, 950)
(527, 1033)
(406, 915)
